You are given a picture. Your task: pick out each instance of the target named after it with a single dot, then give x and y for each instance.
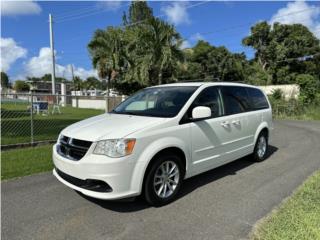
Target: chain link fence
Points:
(34, 118)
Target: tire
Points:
(261, 147)
(170, 185)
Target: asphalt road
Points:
(221, 204)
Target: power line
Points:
(97, 11)
(141, 21)
(162, 15)
(246, 24)
(75, 11)
(208, 32)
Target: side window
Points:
(257, 99)
(235, 99)
(209, 97)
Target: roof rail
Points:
(201, 80)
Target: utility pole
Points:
(72, 74)
(53, 70)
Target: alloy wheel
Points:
(166, 179)
(261, 147)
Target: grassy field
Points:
(25, 161)
(16, 124)
(297, 218)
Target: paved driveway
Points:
(221, 204)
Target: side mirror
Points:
(201, 112)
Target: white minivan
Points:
(160, 136)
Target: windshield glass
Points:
(156, 102)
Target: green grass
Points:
(298, 217)
(25, 161)
(16, 124)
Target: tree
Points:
(46, 78)
(21, 86)
(156, 52)
(106, 50)
(77, 83)
(225, 66)
(141, 54)
(138, 11)
(4, 80)
(92, 83)
(210, 63)
(259, 39)
(255, 75)
(282, 50)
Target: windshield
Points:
(156, 102)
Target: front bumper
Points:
(117, 173)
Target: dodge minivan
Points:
(160, 136)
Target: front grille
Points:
(89, 184)
(73, 149)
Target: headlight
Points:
(115, 148)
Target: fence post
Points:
(77, 104)
(31, 118)
(107, 104)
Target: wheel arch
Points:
(151, 153)
(263, 127)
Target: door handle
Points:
(236, 122)
(225, 124)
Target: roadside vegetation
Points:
(25, 161)
(295, 109)
(296, 218)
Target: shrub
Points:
(277, 94)
(309, 88)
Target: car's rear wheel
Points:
(163, 179)
(261, 147)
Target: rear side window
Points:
(235, 99)
(257, 99)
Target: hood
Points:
(109, 126)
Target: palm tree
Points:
(159, 51)
(143, 54)
(105, 49)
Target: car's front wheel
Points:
(163, 180)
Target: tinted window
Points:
(257, 99)
(156, 101)
(209, 97)
(235, 99)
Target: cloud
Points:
(39, 65)
(197, 37)
(299, 12)
(110, 5)
(176, 12)
(185, 44)
(10, 52)
(14, 8)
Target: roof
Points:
(198, 84)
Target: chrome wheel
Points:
(262, 146)
(166, 179)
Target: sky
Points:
(25, 45)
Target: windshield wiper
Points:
(126, 113)
(131, 113)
